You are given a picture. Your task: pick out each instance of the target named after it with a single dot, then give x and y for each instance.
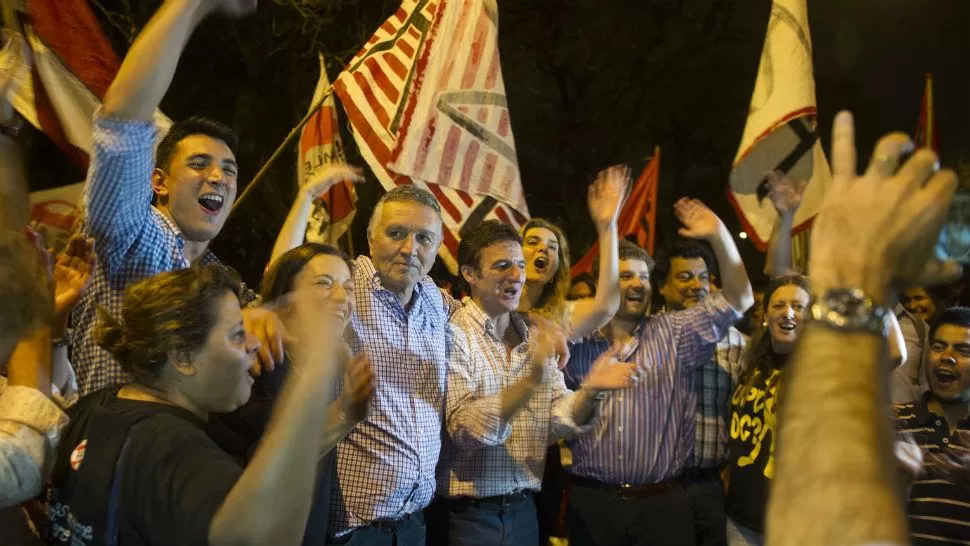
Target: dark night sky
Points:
(590, 83)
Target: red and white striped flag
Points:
(457, 131)
(381, 86)
(320, 145)
(67, 65)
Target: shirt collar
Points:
(485, 322)
(207, 257)
(366, 268)
(924, 416)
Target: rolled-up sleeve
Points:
(119, 191)
(30, 426)
(563, 423)
(698, 329)
(473, 422)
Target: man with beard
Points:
(627, 475)
(939, 422)
(684, 278)
(192, 183)
(506, 400)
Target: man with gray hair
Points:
(385, 473)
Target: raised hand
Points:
(556, 335)
(699, 221)
(330, 176)
(877, 231)
(266, 326)
(359, 385)
(785, 193)
(610, 374)
(606, 195)
(73, 271)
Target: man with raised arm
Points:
(628, 485)
(874, 235)
(192, 180)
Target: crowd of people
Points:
(149, 397)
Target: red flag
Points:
(320, 145)
(377, 88)
(68, 65)
(926, 130)
(638, 219)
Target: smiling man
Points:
(939, 422)
(506, 400)
(192, 181)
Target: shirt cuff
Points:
(33, 409)
(720, 307)
(483, 424)
(563, 422)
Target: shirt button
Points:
(619, 429)
(946, 440)
(938, 422)
(619, 457)
(619, 398)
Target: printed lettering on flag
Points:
(457, 130)
(638, 217)
(375, 88)
(781, 131)
(320, 145)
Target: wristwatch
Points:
(850, 310)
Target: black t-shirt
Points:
(752, 448)
(143, 470)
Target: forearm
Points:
(591, 314)
(848, 480)
(516, 397)
(584, 406)
(734, 277)
(148, 68)
(293, 231)
(778, 260)
(281, 474)
(336, 427)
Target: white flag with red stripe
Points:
(377, 89)
(781, 132)
(68, 65)
(456, 130)
(320, 145)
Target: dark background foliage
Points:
(590, 83)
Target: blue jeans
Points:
(475, 523)
(409, 532)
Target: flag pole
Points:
(279, 150)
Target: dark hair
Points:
(627, 250)
(760, 357)
(279, 278)
(682, 248)
(172, 311)
(26, 302)
(479, 237)
(955, 316)
(405, 193)
(195, 125)
(552, 300)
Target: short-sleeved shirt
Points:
(938, 509)
(753, 430)
(146, 469)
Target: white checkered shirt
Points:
(386, 465)
(483, 456)
(133, 239)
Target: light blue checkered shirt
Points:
(133, 239)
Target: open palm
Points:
(73, 270)
(699, 221)
(607, 193)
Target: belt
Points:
(508, 499)
(700, 475)
(627, 491)
(393, 523)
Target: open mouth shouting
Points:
(787, 326)
(945, 376)
(541, 263)
(211, 203)
(511, 292)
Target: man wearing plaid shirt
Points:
(506, 400)
(193, 180)
(684, 279)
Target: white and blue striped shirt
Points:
(646, 433)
